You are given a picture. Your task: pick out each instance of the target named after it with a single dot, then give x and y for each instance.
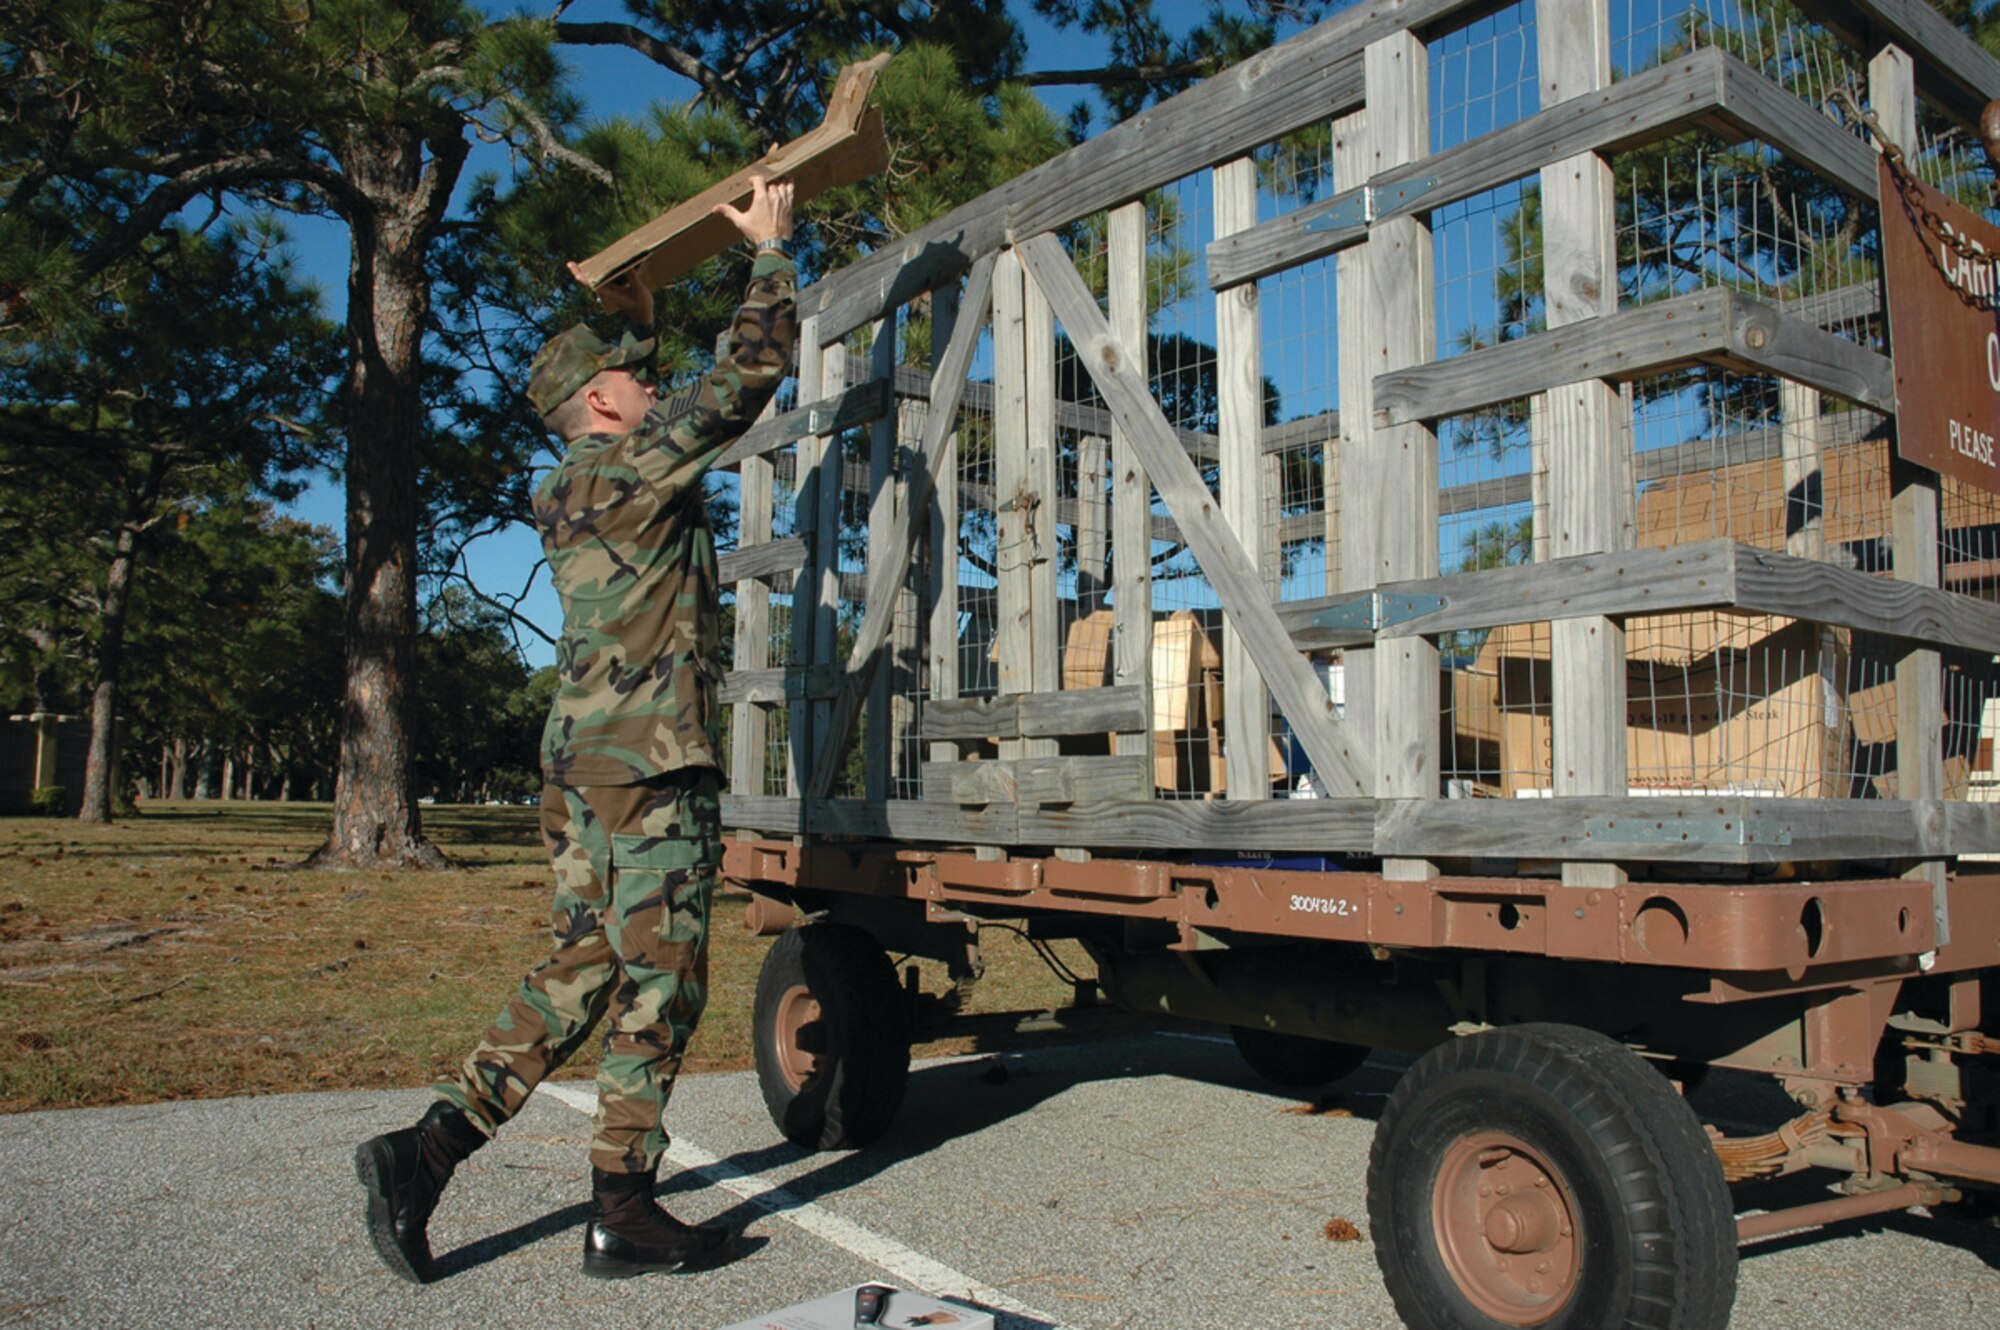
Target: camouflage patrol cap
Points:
(573, 358)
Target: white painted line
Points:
(912, 1269)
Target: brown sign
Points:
(1943, 273)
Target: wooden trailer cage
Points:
(1455, 447)
(1299, 439)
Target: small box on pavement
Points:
(906, 1311)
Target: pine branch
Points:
(664, 54)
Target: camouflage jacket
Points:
(625, 525)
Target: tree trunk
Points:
(97, 762)
(178, 789)
(375, 817)
(204, 770)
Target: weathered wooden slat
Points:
(1085, 711)
(1708, 575)
(900, 547)
(1017, 715)
(1337, 752)
(973, 718)
(1724, 829)
(856, 406)
(1324, 826)
(895, 819)
(761, 560)
(1723, 326)
(1307, 78)
(1767, 341)
(780, 684)
(1648, 581)
(970, 782)
(1040, 780)
(1642, 109)
(1827, 593)
(1807, 136)
(1972, 828)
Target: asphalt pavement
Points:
(1148, 1181)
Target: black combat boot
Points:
(405, 1172)
(629, 1235)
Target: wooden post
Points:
(941, 570)
(906, 644)
(1012, 654)
(1131, 490)
(1038, 500)
(1396, 501)
(1350, 517)
(1892, 95)
(1239, 376)
(1093, 473)
(832, 470)
(1589, 489)
(811, 473)
(749, 725)
(882, 443)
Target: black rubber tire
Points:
(1656, 1244)
(1295, 1059)
(863, 1040)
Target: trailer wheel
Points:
(1295, 1059)
(1544, 1175)
(832, 1036)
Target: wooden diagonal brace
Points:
(847, 146)
(947, 386)
(1337, 750)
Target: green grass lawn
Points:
(181, 954)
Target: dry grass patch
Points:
(180, 954)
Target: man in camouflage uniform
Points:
(631, 804)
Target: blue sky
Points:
(615, 81)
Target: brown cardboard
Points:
(1714, 703)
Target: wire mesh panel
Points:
(1484, 75)
(1774, 38)
(1498, 713)
(1181, 371)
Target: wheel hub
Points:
(797, 1042)
(1506, 1228)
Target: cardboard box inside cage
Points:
(1715, 703)
(1187, 696)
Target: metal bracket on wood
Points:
(1378, 610)
(1357, 209)
(1367, 204)
(1701, 828)
(1392, 198)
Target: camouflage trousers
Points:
(635, 869)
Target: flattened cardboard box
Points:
(835, 1311)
